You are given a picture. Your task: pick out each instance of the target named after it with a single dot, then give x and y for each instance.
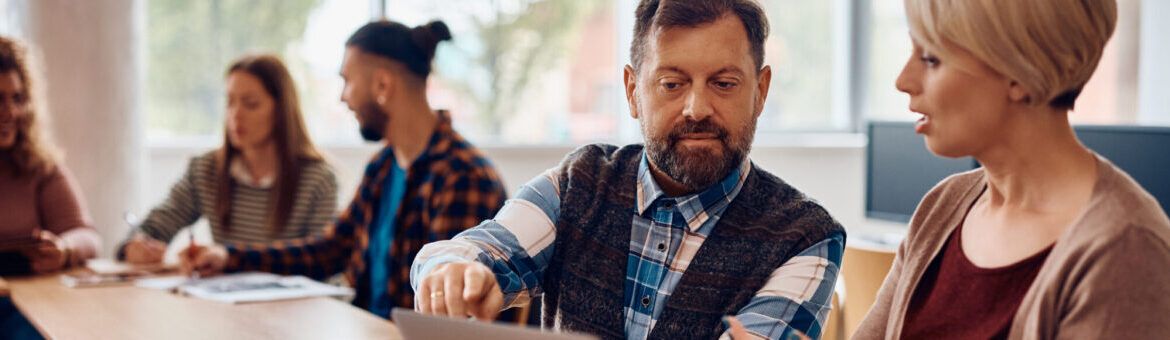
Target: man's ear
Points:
(631, 81)
(764, 83)
(1018, 94)
(384, 84)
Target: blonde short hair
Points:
(1051, 47)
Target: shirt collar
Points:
(442, 140)
(692, 206)
(437, 147)
(240, 173)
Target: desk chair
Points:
(863, 271)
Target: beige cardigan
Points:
(1108, 276)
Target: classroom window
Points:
(549, 71)
(191, 43)
(517, 72)
(526, 72)
(1109, 98)
(804, 57)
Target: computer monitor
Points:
(901, 170)
(1141, 151)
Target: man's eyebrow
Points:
(673, 69)
(731, 69)
(734, 70)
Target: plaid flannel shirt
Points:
(451, 187)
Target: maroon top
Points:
(957, 300)
(50, 202)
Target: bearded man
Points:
(663, 240)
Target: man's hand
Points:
(204, 260)
(144, 250)
(50, 254)
(736, 329)
(460, 290)
(737, 332)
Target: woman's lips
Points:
(921, 125)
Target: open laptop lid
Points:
(418, 326)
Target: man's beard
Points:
(372, 121)
(695, 169)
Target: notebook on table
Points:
(246, 287)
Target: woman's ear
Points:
(1018, 94)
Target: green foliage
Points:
(519, 41)
(190, 44)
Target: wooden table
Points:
(128, 312)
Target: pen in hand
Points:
(191, 255)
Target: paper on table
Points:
(111, 266)
(162, 282)
(106, 272)
(256, 287)
(85, 278)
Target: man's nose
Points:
(698, 104)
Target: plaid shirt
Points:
(451, 187)
(667, 232)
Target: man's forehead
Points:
(715, 47)
(353, 55)
(695, 50)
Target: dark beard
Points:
(694, 169)
(372, 121)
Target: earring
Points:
(381, 100)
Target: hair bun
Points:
(427, 37)
(438, 30)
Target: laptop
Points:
(418, 326)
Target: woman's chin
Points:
(943, 149)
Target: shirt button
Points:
(646, 301)
(661, 246)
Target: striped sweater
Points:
(193, 197)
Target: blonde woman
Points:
(1048, 239)
(38, 196)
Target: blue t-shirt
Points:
(381, 236)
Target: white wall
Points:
(92, 53)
